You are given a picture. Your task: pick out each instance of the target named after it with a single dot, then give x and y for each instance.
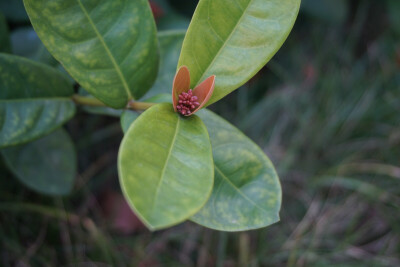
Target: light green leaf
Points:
(34, 100)
(110, 47)
(170, 48)
(47, 165)
(247, 193)
(234, 40)
(5, 45)
(127, 118)
(165, 166)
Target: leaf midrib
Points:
(226, 41)
(165, 166)
(237, 189)
(110, 55)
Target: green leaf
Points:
(247, 193)
(47, 165)
(127, 118)
(26, 43)
(165, 166)
(14, 10)
(393, 8)
(34, 100)
(110, 47)
(234, 40)
(24, 120)
(160, 98)
(170, 48)
(5, 45)
(173, 21)
(107, 111)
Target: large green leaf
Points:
(235, 39)
(46, 165)
(4, 37)
(34, 100)
(170, 48)
(247, 192)
(110, 46)
(165, 166)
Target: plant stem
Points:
(87, 101)
(139, 105)
(94, 102)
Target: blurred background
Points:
(325, 109)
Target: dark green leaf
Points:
(165, 166)
(160, 98)
(26, 43)
(34, 100)
(4, 37)
(109, 47)
(47, 165)
(14, 10)
(107, 111)
(127, 118)
(334, 11)
(247, 192)
(170, 48)
(173, 21)
(24, 120)
(393, 7)
(234, 40)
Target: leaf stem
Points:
(139, 105)
(87, 101)
(94, 102)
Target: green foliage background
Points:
(325, 110)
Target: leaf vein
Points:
(110, 55)
(237, 189)
(165, 165)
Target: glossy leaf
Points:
(5, 45)
(247, 192)
(47, 165)
(165, 166)
(34, 100)
(110, 47)
(234, 40)
(170, 48)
